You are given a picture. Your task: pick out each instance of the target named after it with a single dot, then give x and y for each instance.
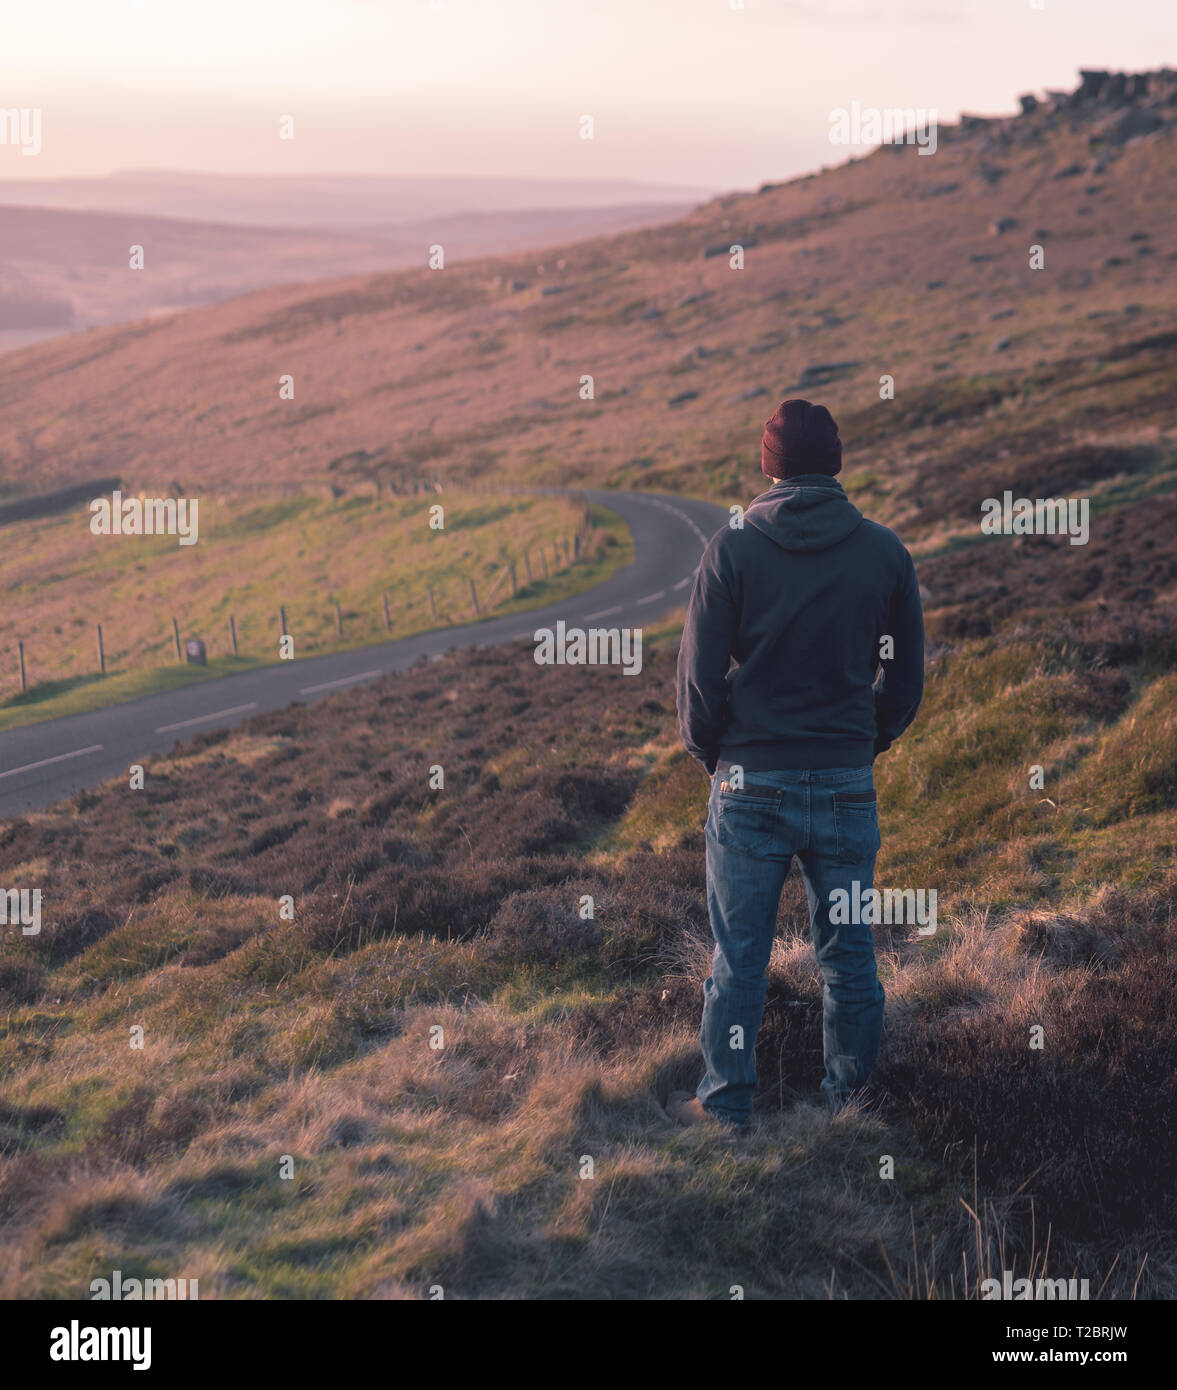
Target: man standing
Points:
(802, 659)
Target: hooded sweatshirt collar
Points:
(808, 512)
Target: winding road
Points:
(44, 763)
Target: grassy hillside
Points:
(890, 264)
(459, 908)
(305, 553)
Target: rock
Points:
(1134, 123)
(724, 248)
(517, 285)
(749, 395)
(1115, 87)
(935, 285)
(1069, 171)
(1091, 82)
(938, 190)
(1001, 344)
(1132, 309)
(1140, 236)
(1002, 225)
(682, 397)
(692, 299)
(818, 373)
(1029, 103)
(652, 313)
(553, 289)
(1002, 314)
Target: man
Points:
(802, 659)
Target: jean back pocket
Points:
(856, 826)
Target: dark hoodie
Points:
(797, 603)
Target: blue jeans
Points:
(827, 819)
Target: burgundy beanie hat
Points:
(800, 438)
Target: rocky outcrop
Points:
(1116, 107)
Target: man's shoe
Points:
(688, 1111)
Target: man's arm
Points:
(898, 699)
(704, 658)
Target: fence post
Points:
(474, 596)
(387, 616)
(282, 620)
(24, 685)
(338, 619)
(527, 565)
(176, 639)
(514, 588)
(101, 653)
(432, 605)
(233, 632)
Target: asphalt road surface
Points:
(44, 763)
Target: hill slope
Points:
(889, 262)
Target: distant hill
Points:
(329, 200)
(68, 270)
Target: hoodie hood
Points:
(809, 512)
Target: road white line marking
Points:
(61, 757)
(651, 597)
(344, 680)
(682, 516)
(682, 583)
(204, 718)
(604, 613)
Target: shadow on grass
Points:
(49, 690)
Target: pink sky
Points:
(702, 92)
